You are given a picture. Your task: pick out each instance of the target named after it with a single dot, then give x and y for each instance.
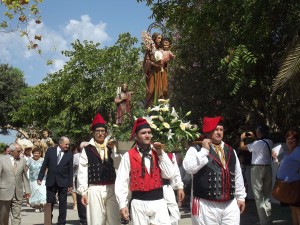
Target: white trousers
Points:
(102, 208)
(149, 212)
(172, 205)
(217, 213)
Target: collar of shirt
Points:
(58, 150)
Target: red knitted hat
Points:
(139, 124)
(210, 123)
(98, 122)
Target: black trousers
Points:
(81, 210)
(62, 198)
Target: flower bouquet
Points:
(169, 127)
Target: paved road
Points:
(281, 215)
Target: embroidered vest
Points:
(150, 181)
(99, 172)
(213, 181)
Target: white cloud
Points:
(10, 43)
(86, 30)
(14, 49)
(57, 65)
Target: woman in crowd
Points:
(289, 169)
(38, 192)
(75, 150)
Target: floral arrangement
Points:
(169, 127)
(147, 39)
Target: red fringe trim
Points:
(195, 206)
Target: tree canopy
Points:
(67, 101)
(228, 54)
(12, 85)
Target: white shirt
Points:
(123, 179)
(82, 175)
(194, 161)
(62, 153)
(12, 160)
(261, 154)
(176, 181)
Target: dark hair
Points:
(264, 129)
(36, 149)
(5, 147)
(292, 134)
(167, 39)
(97, 125)
(75, 148)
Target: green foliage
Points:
(12, 85)
(2, 146)
(227, 55)
(122, 132)
(237, 63)
(67, 101)
(289, 73)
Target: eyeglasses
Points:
(99, 131)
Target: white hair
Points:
(13, 146)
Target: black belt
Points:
(260, 164)
(166, 181)
(155, 194)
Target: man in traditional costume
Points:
(218, 188)
(142, 169)
(96, 177)
(175, 183)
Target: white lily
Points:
(165, 108)
(161, 118)
(156, 108)
(166, 125)
(182, 126)
(188, 113)
(174, 120)
(170, 134)
(149, 119)
(174, 113)
(153, 126)
(163, 100)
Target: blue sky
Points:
(64, 21)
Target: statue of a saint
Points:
(122, 100)
(46, 142)
(156, 59)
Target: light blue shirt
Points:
(289, 168)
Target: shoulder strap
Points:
(268, 146)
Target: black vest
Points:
(99, 172)
(213, 181)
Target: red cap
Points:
(139, 124)
(98, 122)
(209, 124)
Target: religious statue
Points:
(122, 100)
(46, 142)
(156, 59)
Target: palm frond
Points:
(289, 72)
